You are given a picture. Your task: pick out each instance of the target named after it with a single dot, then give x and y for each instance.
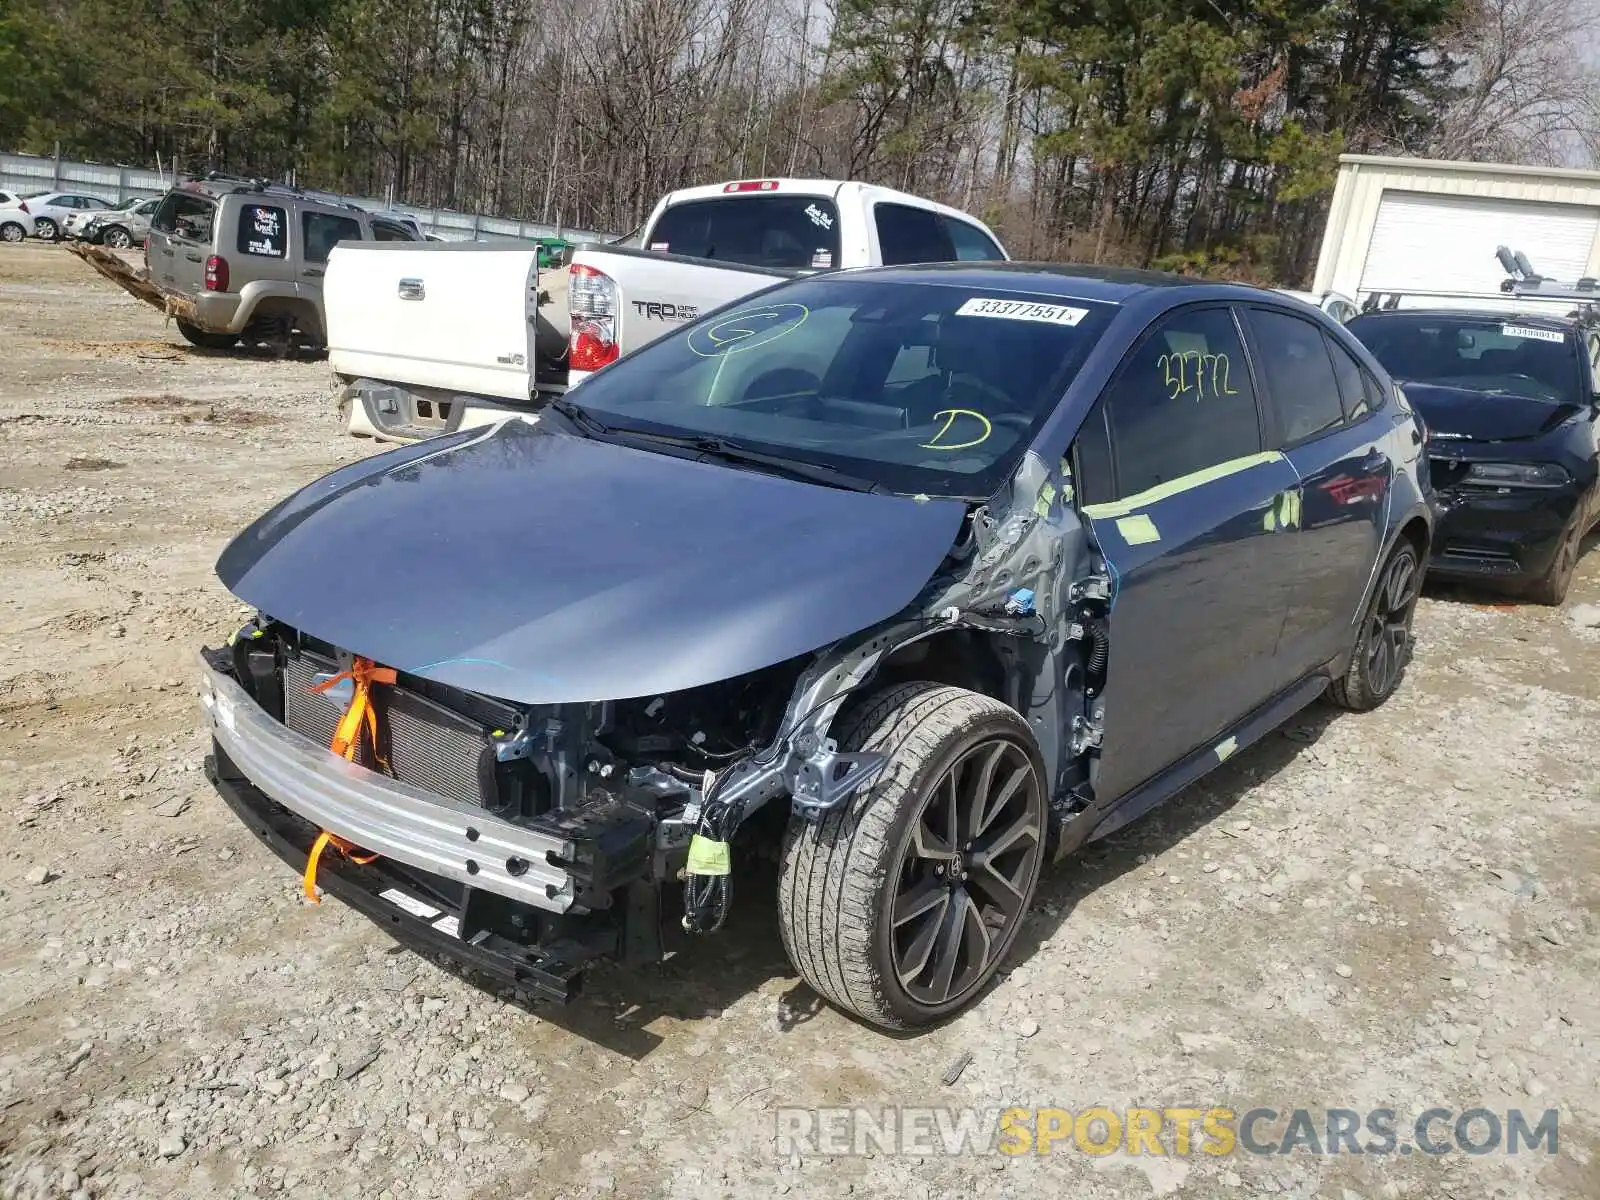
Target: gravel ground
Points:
(1394, 910)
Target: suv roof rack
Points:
(271, 186)
(1522, 280)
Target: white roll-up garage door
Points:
(1427, 244)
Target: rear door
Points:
(1321, 416)
(1182, 496)
(181, 235)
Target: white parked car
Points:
(16, 222)
(119, 228)
(50, 210)
(1336, 304)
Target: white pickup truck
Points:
(432, 338)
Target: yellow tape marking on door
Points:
(1176, 487)
(1138, 530)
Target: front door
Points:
(1190, 513)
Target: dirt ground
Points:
(1399, 910)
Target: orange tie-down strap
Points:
(308, 882)
(358, 718)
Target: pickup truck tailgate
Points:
(461, 316)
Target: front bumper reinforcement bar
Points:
(385, 816)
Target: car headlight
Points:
(1514, 474)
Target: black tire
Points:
(843, 874)
(46, 230)
(12, 231)
(207, 340)
(1551, 588)
(1383, 640)
(117, 238)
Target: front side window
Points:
(1495, 355)
(797, 233)
(323, 231)
(927, 388)
(971, 243)
(1298, 373)
(186, 215)
(1182, 401)
(263, 231)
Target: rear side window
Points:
(911, 235)
(1182, 401)
(324, 231)
(389, 231)
(263, 231)
(971, 243)
(1298, 373)
(789, 232)
(1357, 389)
(185, 215)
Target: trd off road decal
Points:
(660, 310)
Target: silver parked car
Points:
(16, 222)
(120, 228)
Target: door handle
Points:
(412, 289)
(312, 272)
(194, 258)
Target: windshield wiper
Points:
(581, 417)
(731, 452)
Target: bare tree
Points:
(1524, 92)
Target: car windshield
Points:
(918, 388)
(1500, 356)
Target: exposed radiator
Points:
(428, 745)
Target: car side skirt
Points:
(1200, 762)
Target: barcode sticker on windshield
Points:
(1021, 310)
(1539, 335)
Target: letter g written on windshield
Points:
(747, 330)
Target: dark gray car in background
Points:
(916, 577)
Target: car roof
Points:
(1067, 280)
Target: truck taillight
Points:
(592, 304)
(752, 185)
(216, 274)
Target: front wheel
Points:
(205, 339)
(1383, 640)
(900, 906)
(117, 238)
(46, 230)
(1551, 587)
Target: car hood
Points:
(1454, 413)
(545, 568)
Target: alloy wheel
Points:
(11, 233)
(1389, 627)
(966, 871)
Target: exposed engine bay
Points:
(622, 799)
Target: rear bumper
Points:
(387, 816)
(1512, 535)
(395, 413)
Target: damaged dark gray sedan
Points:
(915, 579)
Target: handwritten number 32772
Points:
(1196, 372)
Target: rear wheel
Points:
(12, 231)
(45, 229)
(900, 906)
(117, 238)
(1383, 642)
(205, 339)
(1551, 587)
